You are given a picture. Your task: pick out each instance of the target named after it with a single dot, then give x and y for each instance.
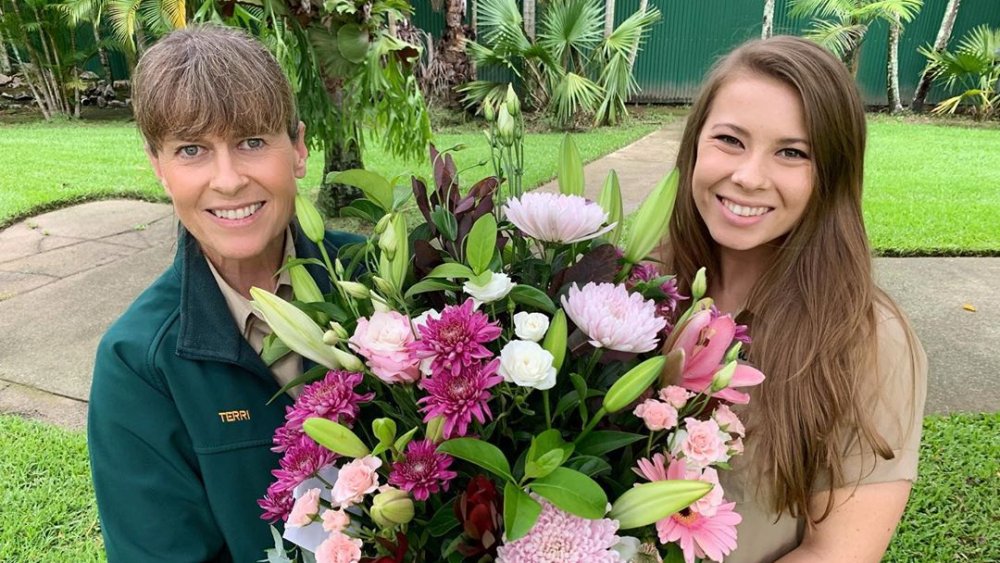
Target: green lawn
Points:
(43, 166)
(47, 511)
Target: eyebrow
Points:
(744, 132)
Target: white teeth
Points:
(234, 214)
(744, 211)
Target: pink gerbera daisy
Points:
(460, 397)
(455, 339)
(702, 536)
(423, 471)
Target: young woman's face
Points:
(754, 171)
(235, 196)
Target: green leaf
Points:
(589, 465)
(403, 440)
(443, 520)
(451, 270)
(548, 442)
(445, 222)
(364, 209)
(274, 349)
(573, 492)
(601, 442)
(353, 42)
(520, 512)
(532, 297)
(580, 384)
(373, 185)
(543, 465)
(483, 454)
(300, 261)
(481, 243)
(570, 168)
(313, 374)
(428, 285)
(646, 503)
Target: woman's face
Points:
(753, 175)
(235, 196)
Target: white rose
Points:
(497, 288)
(530, 326)
(527, 364)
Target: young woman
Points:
(771, 166)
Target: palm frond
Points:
(617, 81)
(820, 8)
(889, 10)
(501, 25)
(123, 15)
(630, 32)
(838, 38)
(571, 28)
(573, 95)
(479, 92)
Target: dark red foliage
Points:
(397, 551)
(478, 510)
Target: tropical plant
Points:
(52, 67)
(940, 43)
(571, 69)
(90, 12)
(447, 63)
(974, 68)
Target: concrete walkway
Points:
(66, 275)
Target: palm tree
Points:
(892, 66)
(943, 36)
(609, 17)
(92, 12)
(768, 26)
(5, 66)
(528, 12)
(974, 66)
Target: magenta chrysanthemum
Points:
(301, 461)
(613, 318)
(560, 537)
(460, 397)
(277, 503)
(559, 218)
(332, 397)
(423, 471)
(455, 339)
(665, 307)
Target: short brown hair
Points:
(210, 80)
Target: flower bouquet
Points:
(506, 381)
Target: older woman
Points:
(180, 429)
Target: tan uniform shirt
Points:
(253, 327)
(899, 415)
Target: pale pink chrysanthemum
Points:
(333, 397)
(460, 397)
(455, 339)
(558, 218)
(277, 503)
(423, 471)
(613, 318)
(560, 537)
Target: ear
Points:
(154, 162)
(301, 152)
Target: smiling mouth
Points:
(237, 214)
(742, 210)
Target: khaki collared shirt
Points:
(254, 328)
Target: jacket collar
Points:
(207, 329)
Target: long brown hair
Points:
(813, 310)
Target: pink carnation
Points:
(728, 420)
(335, 520)
(675, 396)
(558, 218)
(559, 537)
(306, 506)
(656, 414)
(383, 340)
(339, 548)
(703, 442)
(613, 318)
(355, 480)
(455, 339)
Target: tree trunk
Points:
(4, 58)
(456, 67)
(102, 53)
(767, 28)
(528, 14)
(609, 17)
(944, 34)
(643, 6)
(892, 68)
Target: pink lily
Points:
(705, 338)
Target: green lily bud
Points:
(303, 285)
(354, 289)
(309, 219)
(488, 112)
(611, 201)
(630, 386)
(393, 267)
(513, 103)
(383, 223)
(294, 328)
(388, 241)
(649, 502)
(380, 304)
(392, 507)
(505, 126)
(722, 377)
(699, 286)
(555, 339)
(734, 353)
(338, 268)
(348, 361)
(651, 220)
(435, 429)
(335, 437)
(385, 430)
(383, 285)
(331, 338)
(339, 329)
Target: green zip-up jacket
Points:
(179, 430)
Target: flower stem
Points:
(590, 425)
(548, 412)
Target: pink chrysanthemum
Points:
(332, 397)
(455, 339)
(460, 397)
(558, 218)
(423, 471)
(613, 318)
(560, 537)
(301, 461)
(277, 503)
